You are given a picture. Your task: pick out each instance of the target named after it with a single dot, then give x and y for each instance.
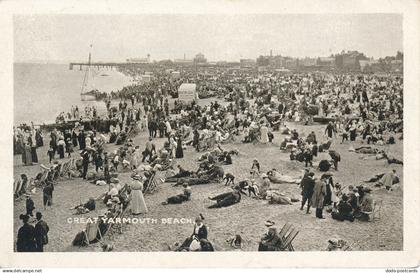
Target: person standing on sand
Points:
(317, 200)
(138, 205)
(85, 163)
(27, 154)
(41, 233)
(26, 236)
(48, 194)
(307, 184)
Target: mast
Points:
(86, 77)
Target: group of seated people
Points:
(355, 204)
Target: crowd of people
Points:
(250, 108)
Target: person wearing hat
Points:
(41, 232)
(60, 146)
(307, 185)
(271, 240)
(30, 205)
(344, 210)
(366, 205)
(48, 194)
(200, 230)
(149, 150)
(318, 195)
(138, 205)
(26, 236)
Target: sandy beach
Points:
(245, 218)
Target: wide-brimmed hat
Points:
(269, 223)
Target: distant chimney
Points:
(184, 56)
(271, 53)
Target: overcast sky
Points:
(220, 37)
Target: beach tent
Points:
(187, 92)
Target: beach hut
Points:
(187, 92)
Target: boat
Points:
(87, 92)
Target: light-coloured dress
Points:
(138, 205)
(264, 134)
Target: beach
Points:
(245, 218)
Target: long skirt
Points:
(34, 155)
(28, 156)
(138, 205)
(179, 152)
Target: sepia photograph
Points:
(208, 132)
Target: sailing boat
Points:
(88, 91)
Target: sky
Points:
(65, 38)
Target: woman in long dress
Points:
(138, 205)
(179, 152)
(264, 134)
(28, 154)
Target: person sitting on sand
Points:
(270, 241)
(366, 205)
(255, 168)
(343, 211)
(90, 205)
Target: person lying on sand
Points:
(226, 199)
(179, 198)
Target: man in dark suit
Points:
(227, 199)
(41, 233)
(307, 184)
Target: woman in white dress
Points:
(264, 134)
(138, 205)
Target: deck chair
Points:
(91, 232)
(17, 187)
(152, 185)
(284, 230)
(65, 168)
(287, 243)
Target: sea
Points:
(42, 91)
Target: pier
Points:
(107, 65)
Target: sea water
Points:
(42, 91)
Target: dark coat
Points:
(41, 233)
(202, 232)
(26, 239)
(320, 190)
(307, 185)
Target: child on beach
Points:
(50, 153)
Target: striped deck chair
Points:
(65, 168)
(151, 185)
(287, 243)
